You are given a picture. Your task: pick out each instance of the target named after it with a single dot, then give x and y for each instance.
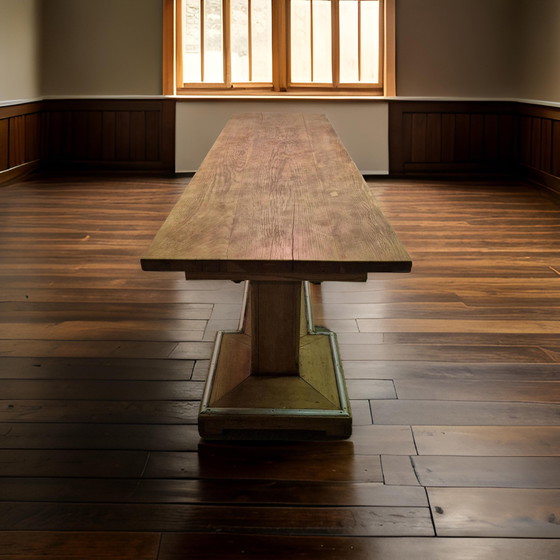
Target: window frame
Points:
(172, 61)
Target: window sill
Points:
(274, 97)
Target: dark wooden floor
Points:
(453, 372)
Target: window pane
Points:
(239, 38)
(370, 41)
(349, 69)
(191, 41)
(213, 53)
(322, 37)
(310, 42)
(300, 41)
(261, 34)
(359, 41)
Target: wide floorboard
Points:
(453, 373)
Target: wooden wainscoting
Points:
(20, 133)
(539, 144)
(425, 138)
(432, 137)
(451, 137)
(110, 134)
(125, 134)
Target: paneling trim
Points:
(20, 133)
(539, 144)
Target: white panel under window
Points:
(362, 127)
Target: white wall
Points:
(361, 125)
(19, 50)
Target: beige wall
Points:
(479, 48)
(19, 56)
(538, 50)
(445, 48)
(101, 47)
(455, 48)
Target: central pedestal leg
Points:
(275, 327)
(278, 377)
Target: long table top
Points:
(277, 196)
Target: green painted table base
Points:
(308, 403)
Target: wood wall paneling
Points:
(555, 158)
(32, 124)
(428, 137)
(114, 134)
(546, 145)
(20, 132)
(4, 142)
(507, 132)
(452, 137)
(16, 148)
(433, 137)
(89, 134)
(539, 144)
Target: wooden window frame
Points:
(172, 62)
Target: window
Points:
(291, 46)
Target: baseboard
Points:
(18, 173)
(550, 182)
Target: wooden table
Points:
(277, 202)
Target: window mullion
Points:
(280, 34)
(335, 34)
(387, 55)
(201, 22)
(311, 40)
(250, 38)
(178, 76)
(359, 40)
(226, 38)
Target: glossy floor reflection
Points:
(453, 372)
